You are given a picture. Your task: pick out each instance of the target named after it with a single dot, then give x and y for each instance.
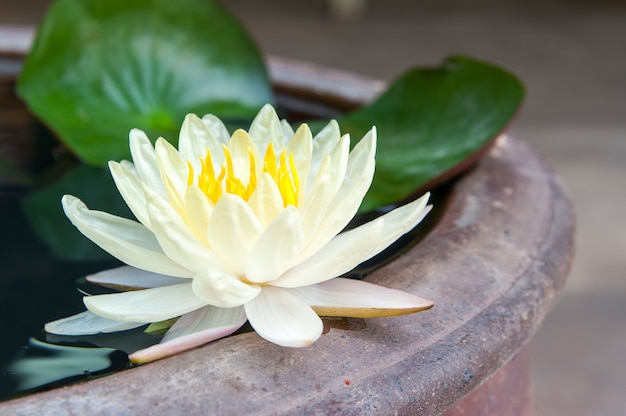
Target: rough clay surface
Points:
(494, 264)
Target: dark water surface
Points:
(36, 288)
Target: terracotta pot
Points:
(494, 263)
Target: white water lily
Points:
(240, 228)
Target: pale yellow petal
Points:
(233, 231)
(359, 299)
(223, 290)
(283, 318)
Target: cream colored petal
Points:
(339, 151)
(348, 249)
(266, 200)
(345, 204)
(339, 256)
(283, 318)
(301, 146)
(148, 305)
(174, 172)
(238, 146)
(131, 278)
(196, 137)
(277, 248)
(266, 128)
(233, 231)
(177, 240)
(193, 330)
(130, 187)
(359, 299)
(287, 130)
(324, 142)
(322, 192)
(223, 290)
(124, 239)
(144, 160)
(198, 210)
(216, 127)
(87, 323)
(339, 215)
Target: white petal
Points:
(177, 241)
(266, 201)
(323, 143)
(345, 205)
(129, 186)
(198, 212)
(148, 305)
(87, 323)
(287, 130)
(131, 278)
(233, 231)
(124, 239)
(348, 249)
(301, 146)
(174, 172)
(216, 127)
(277, 248)
(359, 299)
(196, 138)
(238, 146)
(339, 256)
(283, 318)
(267, 127)
(192, 330)
(223, 290)
(144, 159)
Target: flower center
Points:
(282, 170)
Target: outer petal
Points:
(344, 206)
(174, 172)
(130, 187)
(223, 290)
(216, 127)
(233, 231)
(266, 127)
(87, 323)
(287, 130)
(192, 330)
(349, 249)
(177, 241)
(145, 160)
(283, 318)
(124, 239)
(359, 299)
(130, 278)
(277, 248)
(149, 305)
(194, 140)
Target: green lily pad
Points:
(45, 214)
(99, 68)
(432, 122)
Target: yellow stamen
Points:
(283, 172)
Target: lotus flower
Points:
(240, 228)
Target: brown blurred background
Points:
(572, 56)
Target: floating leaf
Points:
(433, 122)
(99, 68)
